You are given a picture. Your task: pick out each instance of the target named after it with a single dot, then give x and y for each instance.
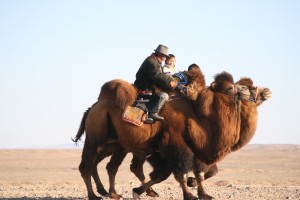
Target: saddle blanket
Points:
(134, 115)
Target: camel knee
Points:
(87, 162)
(136, 166)
(212, 172)
(111, 168)
(85, 168)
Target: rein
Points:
(255, 96)
(175, 97)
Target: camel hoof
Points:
(102, 192)
(190, 197)
(94, 197)
(191, 182)
(151, 193)
(205, 197)
(114, 195)
(135, 195)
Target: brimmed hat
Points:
(162, 49)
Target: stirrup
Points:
(141, 100)
(149, 121)
(155, 117)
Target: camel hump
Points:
(120, 91)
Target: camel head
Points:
(195, 75)
(257, 94)
(223, 83)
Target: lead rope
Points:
(256, 94)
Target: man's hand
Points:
(182, 89)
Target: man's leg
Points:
(161, 99)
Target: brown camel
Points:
(249, 115)
(248, 127)
(212, 170)
(216, 120)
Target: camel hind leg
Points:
(160, 173)
(111, 148)
(112, 169)
(105, 152)
(96, 134)
(86, 167)
(136, 168)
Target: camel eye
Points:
(230, 88)
(253, 91)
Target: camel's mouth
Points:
(266, 94)
(260, 93)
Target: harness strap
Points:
(256, 94)
(174, 97)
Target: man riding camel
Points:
(150, 75)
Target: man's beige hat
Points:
(162, 49)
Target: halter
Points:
(255, 96)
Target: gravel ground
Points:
(266, 172)
(73, 191)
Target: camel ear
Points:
(213, 85)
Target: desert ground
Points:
(255, 172)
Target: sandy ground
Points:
(255, 172)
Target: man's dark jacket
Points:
(150, 73)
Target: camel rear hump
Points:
(119, 91)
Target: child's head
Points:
(171, 60)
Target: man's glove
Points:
(182, 89)
(179, 86)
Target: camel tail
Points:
(81, 129)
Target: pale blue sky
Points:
(55, 55)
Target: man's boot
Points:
(155, 117)
(157, 107)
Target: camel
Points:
(202, 169)
(143, 138)
(247, 130)
(248, 127)
(263, 92)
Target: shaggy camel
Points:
(247, 130)
(174, 132)
(202, 169)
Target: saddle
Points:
(137, 113)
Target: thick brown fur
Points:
(196, 82)
(224, 76)
(119, 91)
(247, 130)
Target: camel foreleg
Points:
(181, 178)
(203, 172)
(159, 174)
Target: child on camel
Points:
(169, 67)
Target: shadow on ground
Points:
(41, 198)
